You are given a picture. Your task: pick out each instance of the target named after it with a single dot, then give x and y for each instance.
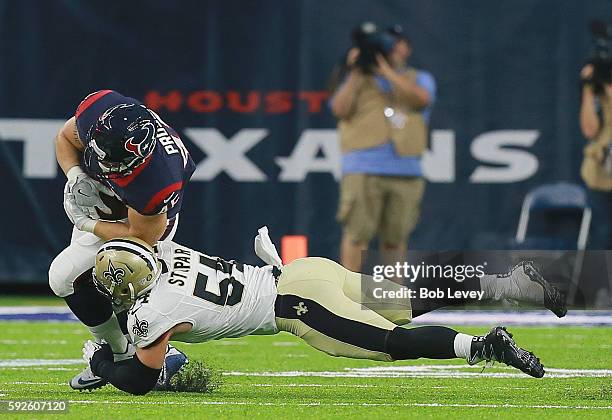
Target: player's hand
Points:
(94, 353)
(76, 214)
(86, 192)
(89, 349)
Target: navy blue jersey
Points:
(156, 186)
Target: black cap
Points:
(397, 31)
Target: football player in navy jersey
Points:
(127, 172)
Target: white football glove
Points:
(76, 214)
(86, 191)
(89, 349)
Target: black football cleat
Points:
(498, 346)
(554, 299)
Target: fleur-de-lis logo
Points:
(140, 328)
(300, 309)
(114, 275)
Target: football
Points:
(118, 209)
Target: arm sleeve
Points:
(129, 375)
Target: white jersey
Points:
(220, 299)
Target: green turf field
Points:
(21, 300)
(279, 376)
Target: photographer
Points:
(383, 107)
(596, 170)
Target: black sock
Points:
(89, 306)
(429, 342)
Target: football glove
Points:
(86, 191)
(94, 353)
(77, 216)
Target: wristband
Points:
(89, 226)
(74, 172)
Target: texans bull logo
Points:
(137, 143)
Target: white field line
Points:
(504, 317)
(34, 310)
(28, 342)
(40, 362)
(345, 404)
(304, 385)
(431, 371)
(33, 383)
(285, 343)
(298, 385)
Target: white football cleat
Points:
(87, 381)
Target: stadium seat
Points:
(552, 212)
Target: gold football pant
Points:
(322, 302)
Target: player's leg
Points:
(312, 306)
(523, 283)
(360, 289)
(70, 278)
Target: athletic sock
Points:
(412, 343)
(517, 286)
(476, 350)
(110, 332)
(463, 345)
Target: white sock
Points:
(110, 332)
(129, 352)
(516, 286)
(463, 345)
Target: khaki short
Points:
(387, 206)
(323, 303)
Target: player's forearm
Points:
(67, 155)
(130, 375)
(589, 122)
(110, 230)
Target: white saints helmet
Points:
(125, 269)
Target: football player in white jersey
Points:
(176, 293)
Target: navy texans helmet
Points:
(122, 139)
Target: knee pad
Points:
(62, 275)
(76, 259)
